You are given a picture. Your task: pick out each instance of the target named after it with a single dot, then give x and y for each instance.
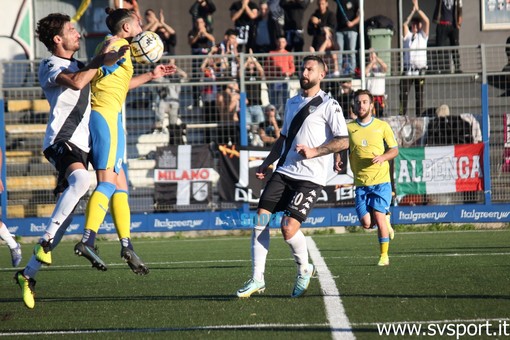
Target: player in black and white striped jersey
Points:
(66, 84)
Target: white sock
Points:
(299, 250)
(79, 182)
(7, 236)
(259, 250)
(61, 231)
(32, 267)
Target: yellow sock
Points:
(384, 243)
(97, 208)
(121, 214)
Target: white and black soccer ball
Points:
(147, 48)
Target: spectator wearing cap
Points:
(269, 130)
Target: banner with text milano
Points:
(439, 169)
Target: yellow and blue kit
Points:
(109, 89)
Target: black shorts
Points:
(295, 198)
(61, 155)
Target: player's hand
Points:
(163, 70)
(378, 159)
(337, 163)
(261, 171)
(107, 43)
(1, 186)
(305, 151)
(112, 57)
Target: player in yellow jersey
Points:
(372, 145)
(109, 89)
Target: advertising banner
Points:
(442, 169)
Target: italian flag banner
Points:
(439, 169)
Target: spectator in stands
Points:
(203, 9)
(347, 23)
(293, 23)
(277, 13)
(5, 235)
(200, 39)
(376, 84)
(167, 104)
(211, 67)
(322, 27)
(159, 26)
(269, 129)
(228, 48)
(66, 145)
(448, 17)
(228, 103)
(280, 67)
(254, 72)
(415, 58)
(268, 30)
(346, 99)
(244, 14)
(201, 42)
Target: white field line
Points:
(121, 264)
(335, 312)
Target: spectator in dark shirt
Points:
(322, 27)
(203, 9)
(201, 41)
(244, 14)
(448, 16)
(165, 31)
(293, 24)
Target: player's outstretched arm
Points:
(158, 72)
(78, 80)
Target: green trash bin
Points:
(380, 39)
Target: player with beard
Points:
(65, 82)
(314, 127)
(372, 145)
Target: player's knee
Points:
(289, 227)
(79, 180)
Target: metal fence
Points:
(221, 100)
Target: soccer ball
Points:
(146, 48)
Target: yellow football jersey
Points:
(365, 143)
(111, 83)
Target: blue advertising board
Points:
(240, 219)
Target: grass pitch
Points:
(433, 278)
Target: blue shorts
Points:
(108, 142)
(373, 197)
